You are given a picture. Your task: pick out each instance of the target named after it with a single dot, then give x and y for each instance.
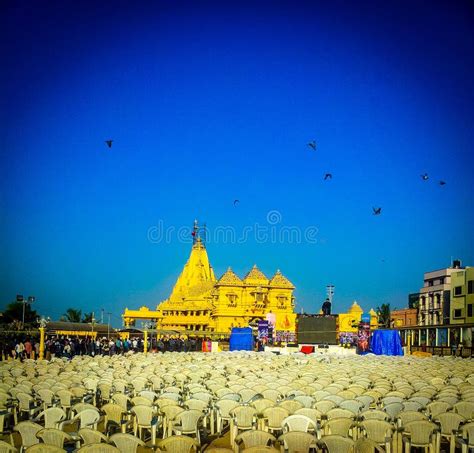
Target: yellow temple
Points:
(201, 303)
(349, 322)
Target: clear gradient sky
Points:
(208, 102)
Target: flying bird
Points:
(327, 176)
(424, 177)
(236, 202)
(312, 145)
(109, 143)
(442, 183)
(377, 211)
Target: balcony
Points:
(430, 309)
(183, 320)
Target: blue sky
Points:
(215, 101)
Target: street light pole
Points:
(108, 325)
(92, 325)
(330, 292)
(29, 300)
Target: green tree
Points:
(384, 315)
(72, 315)
(14, 312)
(87, 317)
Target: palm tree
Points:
(72, 315)
(14, 312)
(384, 315)
(88, 317)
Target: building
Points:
(201, 303)
(462, 296)
(349, 322)
(445, 313)
(79, 329)
(404, 317)
(435, 296)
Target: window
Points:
(458, 313)
(458, 290)
(430, 282)
(282, 301)
(470, 287)
(441, 280)
(232, 299)
(469, 310)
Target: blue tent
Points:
(241, 339)
(386, 342)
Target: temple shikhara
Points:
(199, 302)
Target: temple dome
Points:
(255, 277)
(280, 281)
(355, 308)
(229, 278)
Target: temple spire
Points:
(195, 232)
(197, 276)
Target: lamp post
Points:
(146, 326)
(42, 322)
(108, 325)
(29, 300)
(92, 325)
(330, 292)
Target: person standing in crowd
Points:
(118, 346)
(171, 344)
(37, 348)
(19, 350)
(67, 350)
(193, 344)
(186, 345)
(28, 348)
(160, 345)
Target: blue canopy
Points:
(241, 339)
(386, 342)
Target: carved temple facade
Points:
(199, 302)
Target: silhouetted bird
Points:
(424, 177)
(327, 176)
(109, 143)
(377, 211)
(236, 202)
(312, 145)
(442, 183)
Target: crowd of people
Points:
(19, 348)
(25, 347)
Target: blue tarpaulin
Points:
(386, 342)
(241, 339)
